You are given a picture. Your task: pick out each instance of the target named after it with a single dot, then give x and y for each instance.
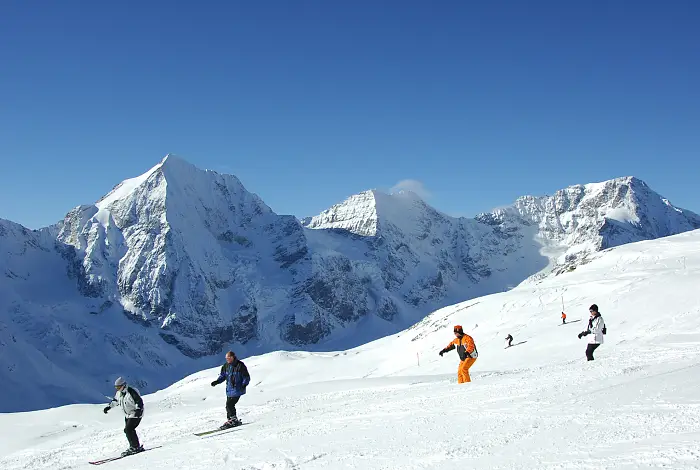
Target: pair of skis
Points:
(213, 431)
(205, 433)
(111, 459)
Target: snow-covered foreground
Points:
(537, 405)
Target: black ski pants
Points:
(130, 430)
(589, 351)
(231, 406)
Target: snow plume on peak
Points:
(413, 186)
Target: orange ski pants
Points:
(463, 370)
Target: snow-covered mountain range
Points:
(179, 264)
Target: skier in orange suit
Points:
(563, 318)
(466, 349)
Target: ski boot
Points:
(231, 423)
(132, 451)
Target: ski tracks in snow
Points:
(561, 416)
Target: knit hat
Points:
(119, 382)
(593, 307)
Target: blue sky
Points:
(308, 102)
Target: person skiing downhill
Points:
(131, 403)
(563, 318)
(509, 338)
(466, 349)
(596, 327)
(237, 378)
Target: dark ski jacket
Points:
(236, 376)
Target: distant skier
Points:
(131, 403)
(509, 338)
(466, 349)
(563, 318)
(596, 327)
(237, 378)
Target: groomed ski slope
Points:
(538, 405)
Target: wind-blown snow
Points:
(621, 215)
(536, 405)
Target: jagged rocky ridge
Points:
(173, 267)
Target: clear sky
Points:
(308, 102)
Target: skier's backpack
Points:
(605, 330)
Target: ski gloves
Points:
(583, 333)
(442, 352)
(107, 408)
(215, 383)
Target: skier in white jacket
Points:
(132, 404)
(596, 327)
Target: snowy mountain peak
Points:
(370, 212)
(174, 218)
(582, 219)
(357, 214)
(176, 181)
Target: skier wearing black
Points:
(596, 327)
(237, 378)
(129, 399)
(509, 338)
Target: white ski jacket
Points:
(596, 330)
(130, 401)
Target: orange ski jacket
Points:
(465, 347)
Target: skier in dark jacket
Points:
(130, 401)
(237, 378)
(596, 327)
(509, 338)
